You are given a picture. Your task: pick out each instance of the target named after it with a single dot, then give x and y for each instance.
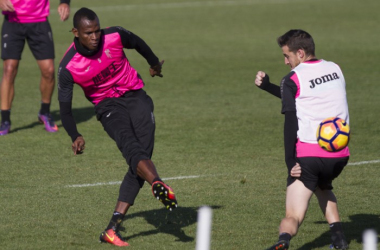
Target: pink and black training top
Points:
(29, 11)
(104, 73)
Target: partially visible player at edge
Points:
(311, 92)
(96, 62)
(27, 20)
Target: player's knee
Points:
(295, 217)
(9, 70)
(48, 72)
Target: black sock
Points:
(157, 179)
(6, 116)
(337, 234)
(336, 227)
(115, 221)
(285, 236)
(45, 108)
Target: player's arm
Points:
(69, 124)
(290, 138)
(289, 90)
(65, 94)
(64, 9)
(262, 81)
(132, 41)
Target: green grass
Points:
(212, 122)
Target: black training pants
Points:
(129, 121)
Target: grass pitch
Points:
(212, 124)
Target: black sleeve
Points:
(289, 91)
(270, 87)
(68, 121)
(65, 94)
(290, 138)
(65, 85)
(132, 41)
(65, 1)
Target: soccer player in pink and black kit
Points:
(96, 61)
(27, 20)
(312, 91)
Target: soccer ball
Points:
(333, 134)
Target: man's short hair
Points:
(297, 39)
(83, 13)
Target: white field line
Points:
(185, 177)
(363, 162)
(182, 5)
(119, 182)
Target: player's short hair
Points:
(297, 39)
(83, 13)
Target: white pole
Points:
(370, 239)
(204, 228)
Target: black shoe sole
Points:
(161, 194)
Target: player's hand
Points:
(6, 5)
(78, 145)
(64, 11)
(296, 171)
(259, 78)
(156, 70)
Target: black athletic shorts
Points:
(129, 121)
(38, 35)
(319, 172)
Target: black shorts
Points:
(129, 121)
(38, 35)
(319, 172)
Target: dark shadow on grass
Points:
(80, 115)
(167, 222)
(353, 230)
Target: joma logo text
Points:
(323, 79)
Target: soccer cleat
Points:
(280, 245)
(112, 237)
(343, 247)
(48, 121)
(339, 243)
(4, 128)
(165, 194)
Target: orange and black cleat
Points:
(165, 194)
(112, 237)
(280, 245)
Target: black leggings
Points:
(129, 121)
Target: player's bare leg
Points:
(47, 87)
(147, 171)
(10, 67)
(297, 202)
(328, 204)
(122, 207)
(162, 192)
(47, 79)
